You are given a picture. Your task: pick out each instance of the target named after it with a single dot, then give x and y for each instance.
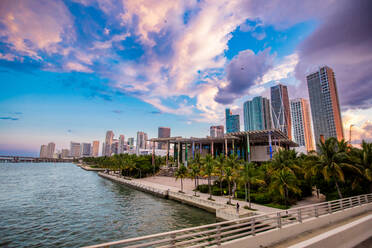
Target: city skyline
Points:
(71, 70)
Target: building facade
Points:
(281, 114)
(115, 146)
(301, 123)
(51, 149)
(130, 143)
(65, 153)
(325, 107)
(75, 149)
(95, 148)
(257, 114)
(121, 145)
(163, 132)
(141, 142)
(86, 149)
(232, 122)
(216, 131)
(108, 142)
(43, 151)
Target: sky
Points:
(72, 69)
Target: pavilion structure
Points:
(255, 146)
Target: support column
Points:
(270, 146)
(175, 155)
(186, 145)
(178, 154)
(200, 148)
(248, 149)
(167, 157)
(233, 147)
(193, 149)
(225, 148)
(212, 148)
(153, 155)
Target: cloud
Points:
(75, 66)
(117, 111)
(8, 118)
(244, 71)
(30, 26)
(343, 42)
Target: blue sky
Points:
(71, 70)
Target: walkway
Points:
(170, 183)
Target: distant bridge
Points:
(23, 159)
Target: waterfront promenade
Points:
(167, 187)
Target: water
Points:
(61, 205)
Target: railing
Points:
(215, 234)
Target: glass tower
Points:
(257, 114)
(232, 122)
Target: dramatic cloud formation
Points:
(343, 42)
(244, 70)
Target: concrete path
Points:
(170, 183)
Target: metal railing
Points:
(215, 234)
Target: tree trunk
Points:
(221, 186)
(285, 196)
(195, 187)
(249, 194)
(181, 185)
(234, 189)
(245, 190)
(338, 190)
(229, 192)
(209, 187)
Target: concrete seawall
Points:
(222, 211)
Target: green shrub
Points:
(203, 188)
(261, 198)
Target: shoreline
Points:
(222, 211)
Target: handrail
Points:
(228, 230)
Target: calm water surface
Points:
(61, 205)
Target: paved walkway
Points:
(170, 183)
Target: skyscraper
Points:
(121, 145)
(43, 151)
(300, 115)
(281, 113)
(131, 142)
(50, 149)
(86, 149)
(325, 107)
(163, 132)
(257, 114)
(141, 142)
(108, 142)
(75, 150)
(232, 122)
(216, 131)
(95, 148)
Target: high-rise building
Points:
(103, 148)
(50, 149)
(95, 148)
(232, 122)
(325, 107)
(141, 142)
(86, 149)
(216, 131)
(281, 114)
(115, 146)
(257, 114)
(43, 151)
(75, 149)
(121, 144)
(108, 142)
(163, 132)
(65, 153)
(131, 142)
(301, 123)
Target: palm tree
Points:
(219, 163)
(208, 168)
(181, 173)
(284, 181)
(362, 158)
(286, 159)
(228, 176)
(197, 162)
(194, 174)
(234, 162)
(332, 160)
(249, 175)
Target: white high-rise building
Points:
(141, 142)
(216, 131)
(51, 149)
(75, 149)
(300, 116)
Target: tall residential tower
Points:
(280, 109)
(257, 114)
(232, 122)
(301, 123)
(216, 131)
(325, 107)
(108, 143)
(163, 132)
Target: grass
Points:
(276, 205)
